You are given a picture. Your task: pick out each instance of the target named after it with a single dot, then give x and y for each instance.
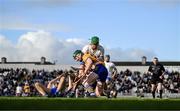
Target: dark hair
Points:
(107, 56)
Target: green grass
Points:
(42, 103)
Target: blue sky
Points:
(147, 25)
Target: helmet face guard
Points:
(76, 53)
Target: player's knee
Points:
(37, 84)
(153, 89)
(107, 82)
(86, 85)
(99, 84)
(159, 88)
(63, 76)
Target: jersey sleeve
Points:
(85, 49)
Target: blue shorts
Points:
(101, 71)
(108, 79)
(53, 91)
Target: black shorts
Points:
(156, 80)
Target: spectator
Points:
(26, 89)
(18, 90)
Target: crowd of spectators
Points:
(136, 82)
(20, 82)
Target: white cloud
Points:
(33, 45)
(117, 54)
(76, 41)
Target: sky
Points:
(128, 29)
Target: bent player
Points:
(94, 70)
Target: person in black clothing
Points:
(157, 71)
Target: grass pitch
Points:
(43, 103)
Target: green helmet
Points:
(76, 53)
(95, 40)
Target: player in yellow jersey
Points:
(94, 71)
